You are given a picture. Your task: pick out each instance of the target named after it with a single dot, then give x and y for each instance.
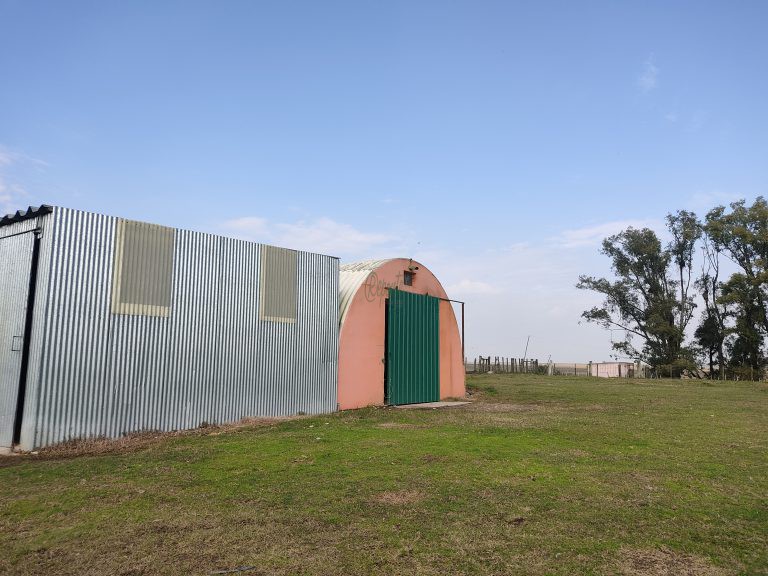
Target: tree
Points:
(686, 230)
(651, 297)
(746, 346)
(711, 332)
(710, 338)
(643, 299)
(742, 235)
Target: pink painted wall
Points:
(612, 369)
(361, 340)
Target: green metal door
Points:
(412, 348)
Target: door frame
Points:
(386, 350)
(21, 392)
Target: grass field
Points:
(540, 475)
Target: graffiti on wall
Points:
(376, 289)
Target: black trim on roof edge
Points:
(29, 213)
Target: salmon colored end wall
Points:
(451, 360)
(361, 341)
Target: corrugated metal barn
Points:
(110, 326)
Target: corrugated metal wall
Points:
(95, 373)
(15, 263)
(413, 348)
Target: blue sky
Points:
(497, 142)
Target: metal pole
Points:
(462, 329)
(463, 352)
(525, 356)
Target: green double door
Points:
(412, 348)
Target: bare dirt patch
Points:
(399, 497)
(432, 458)
(397, 425)
(665, 562)
(499, 407)
(535, 408)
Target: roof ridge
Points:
(29, 213)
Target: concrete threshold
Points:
(431, 405)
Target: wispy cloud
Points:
(248, 227)
(594, 235)
(320, 235)
(13, 194)
(671, 117)
(10, 157)
(649, 76)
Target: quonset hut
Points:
(110, 326)
(399, 340)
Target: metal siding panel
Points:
(211, 359)
(413, 367)
(37, 337)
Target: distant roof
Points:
(29, 213)
(351, 277)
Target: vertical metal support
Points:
(462, 330)
(463, 351)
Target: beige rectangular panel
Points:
(143, 274)
(277, 284)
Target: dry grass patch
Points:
(432, 459)
(132, 442)
(396, 425)
(665, 562)
(399, 497)
(505, 407)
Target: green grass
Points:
(540, 475)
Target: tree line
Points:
(653, 296)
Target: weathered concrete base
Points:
(5, 451)
(431, 405)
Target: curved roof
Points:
(351, 277)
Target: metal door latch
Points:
(17, 344)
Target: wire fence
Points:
(618, 369)
(501, 365)
(506, 365)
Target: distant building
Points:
(612, 369)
